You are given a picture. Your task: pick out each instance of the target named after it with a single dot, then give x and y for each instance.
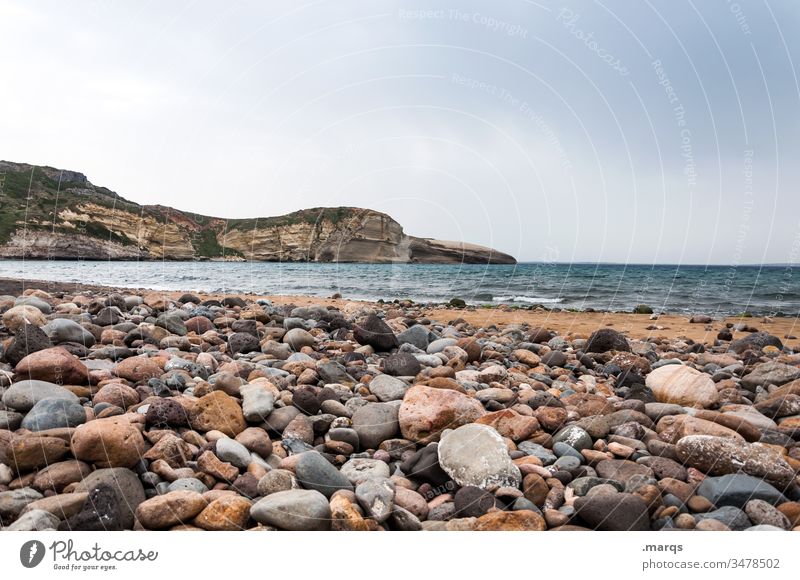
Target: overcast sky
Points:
(650, 131)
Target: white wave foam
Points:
(528, 299)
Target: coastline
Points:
(570, 324)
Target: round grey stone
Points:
(295, 509)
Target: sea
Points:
(686, 289)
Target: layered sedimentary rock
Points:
(58, 214)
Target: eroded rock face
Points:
(114, 228)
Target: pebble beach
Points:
(145, 410)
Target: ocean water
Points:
(773, 290)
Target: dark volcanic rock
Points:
(755, 341)
(376, 333)
(606, 339)
(614, 512)
(29, 338)
(401, 364)
(101, 512)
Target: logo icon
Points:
(31, 553)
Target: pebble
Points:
(458, 449)
(315, 472)
(296, 510)
(378, 417)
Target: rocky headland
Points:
(58, 214)
(146, 410)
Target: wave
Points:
(527, 299)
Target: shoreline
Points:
(305, 413)
(568, 323)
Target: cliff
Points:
(59, 214)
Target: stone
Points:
(375, 423)
(682, 385)
(14, 318)
(32, 452)
(12, 503)
(424, 465)
(111, 442)
(28, 339)
(718, 456)
(57, 476)
(376, 333)
(34, 521)
(664, 467)
(347, 517)
(415, 335)
(138, 369)
(10, 420)
(243, 343)
(770, 373)
(54, 414)
(574, 436)
(315, 472)
(376, 497)
(65, 330)
(171, 509)
(510, 424)
(297, 338)
(233, 452)
(333, 372)
(294, 510)
(426, 411)
(55, 365)
(402, 364)
(216, 468)
(359, 469)
(124, 482)
(226, 513)
(732, 517)
(166, 413)
(477, 455)
(102, 511)
(473, 502)
(188, 484)
(613, 512)
(516, 521)
(755, 341)
(275, 481)
(24, 395)
(217, 411)
(305, 399)
(388, 388)
(673, 428)
(761, 512)
(622, 470)
(607, 339)
(117, 394)
(198, 324)
(535, 489)
(256, 440)
(736, 489)
(173, 323)
(257, 402)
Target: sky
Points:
(656, 131)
